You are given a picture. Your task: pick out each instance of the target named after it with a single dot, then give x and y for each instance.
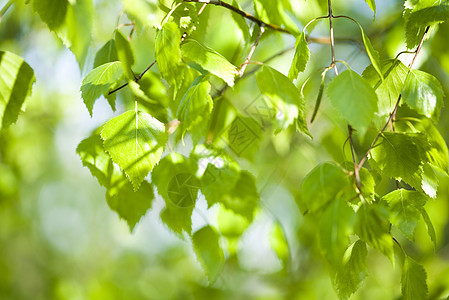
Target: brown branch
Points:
(243, 14)
(137, 78)
(393, 113)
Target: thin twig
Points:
(393, 113)
(243, 14)
(137, 78)
(242, 68)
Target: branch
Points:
(243, 14)
(138, 77)
(393, 113)
(242, 68)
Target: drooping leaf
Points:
(414, 280)
(106, 54)
(353, 270)
(429, 225)
(196, 106)
(130, 205)
(240, 21)
(178, 219)
(387, 90)
(135, 141)
(99, 82)
(206, 244)
(284, 97)
(421, 16)
(300, 58)
(168, 54)
(400, 156)
(16, 82)
(124, 54)
(321, 186)
(373, 227)
(273, 12)
(405, 210)
(279, 243)
(354, 98)
(372, 5)
(209, 60)
(429, 182)
(336, 224)
(372, 54)
(423, 93)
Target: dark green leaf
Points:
(354, 98)
(321, 186)
(124, 54)
(135, 141)
(206, 243)
(414, 280)
(106, 54)
(373, 227)
(405, 207)
(423, 93)
(284, 97)
(353, 271)
(178, 219)
(209, 60)
(300, 58)
(16, 82)
(99, 82)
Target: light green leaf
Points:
(106, 54)
(178, 219)
(230, 224)
(400, 156)
(99, 82)
(240, 21)
(135, 141)
(387, 90)
(209, 60)
(16, 82)
(243, 137)
(373, 227)
(414, 280)
(273, 12)
(372, 54)
(429, 225)
(321, 186)
(124, 54)
(354, 98)
(372, 5)
(336, 224)
(206, 244)
(284, 97)
(405, 207)
(353, 270)
(429, 181)
(195, 107)
(130, 205)
(168, 54)
(279, 243)
(300, 58)
(423, 93)
(71, 21)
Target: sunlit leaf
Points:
(16, 81)
(372, 54)
(124, 54)
(178, 219)
(106, 54)
(354, 98)
(240, 21)
(300, 58)
(206, 244)
(429, 225)
(135, 141)
(279, 243)
(414, 280)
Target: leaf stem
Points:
(242, 68)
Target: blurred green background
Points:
(59, 239)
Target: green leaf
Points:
(400, 156)
(168, 54)
(372, 5)
(414, 280)
(206, 244)
(196, 106)
(273, 12)
(405, 210)
(130, 205)
(99, 82)
(373, 227)
(241, 24)
(423, 93)
(421, 16)
(353, 271)
(284, 96)
(300, 58)
(372, 54)
(135, 141)
(124, 54)
(336, 224)
(279, 243)
(354, 98)
(71, 21)
(178, 219)
(389, 89)
(429, 225)
(16, 82)
(209, 60)
(243, 136)
(230, 224)
(106, 54)
(321, 186)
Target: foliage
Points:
(218, 116)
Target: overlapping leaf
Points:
(16, 81)
(135, 141)
(414, 280)
(300, 58)
(106, 54)
(124, 54)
